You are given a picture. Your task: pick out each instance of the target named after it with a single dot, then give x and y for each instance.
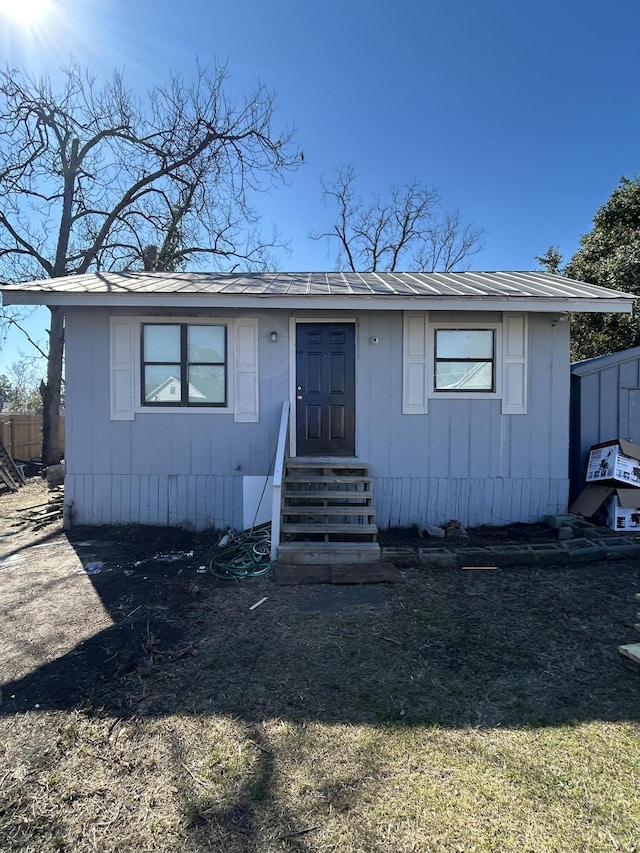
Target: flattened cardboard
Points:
(628, 498)
(622, 506)
(591, 499)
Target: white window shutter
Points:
(514, 364)
(245, 365)
(122, 379)
(414, 363)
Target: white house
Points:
(437, 395)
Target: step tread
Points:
(334, 553)
(328, 510)
(325, 478)
(364, 466)
(330, 546)
(327, 494)
(351, 529)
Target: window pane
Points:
(464, 376)
(206, 343)
(162, 343)
(464, 343)
(162, 383)
(207, 385)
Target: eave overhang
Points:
(15, 295)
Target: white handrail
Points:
(278, 472)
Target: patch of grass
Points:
(459, 712)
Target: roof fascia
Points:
(18, 296)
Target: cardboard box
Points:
(614, 462)
(619, 509)
(623, 510)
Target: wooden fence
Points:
(21, 435)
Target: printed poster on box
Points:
(617, 461)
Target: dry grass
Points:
(460, 711)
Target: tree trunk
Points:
(51, 390)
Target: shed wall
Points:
(605, 404)
(464, 459)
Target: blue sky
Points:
(525, 116)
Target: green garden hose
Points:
(243, 554)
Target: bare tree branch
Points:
(406, 229)
(91, 179)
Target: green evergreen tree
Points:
(609, 255)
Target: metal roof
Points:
(537, 291)
(603, 362)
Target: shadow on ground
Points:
(457, 648)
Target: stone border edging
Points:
(592, 544)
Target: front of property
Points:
(452, 388)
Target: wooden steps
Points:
(328, 513)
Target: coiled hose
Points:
(243, 554)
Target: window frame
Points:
(496, 361)
(192, 408)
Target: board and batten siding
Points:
(431, 458)
(150, 467)
(464, 458)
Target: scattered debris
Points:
(478, 568)
(45, 513)
(295, 834)
(432, 531)
(171, 557)
(455, 529)
(258, 603)
(94, 568)
(632, 650)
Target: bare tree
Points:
(406, 229)
(25, 387)
(93, 179)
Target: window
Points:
(465, 360)
(184, 364)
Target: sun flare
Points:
(25, 12)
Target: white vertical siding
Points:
(603, 406)
(462, 459)
(198, 502)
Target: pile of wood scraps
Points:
(46, 513)
(11, 475)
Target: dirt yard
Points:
(146, 706)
